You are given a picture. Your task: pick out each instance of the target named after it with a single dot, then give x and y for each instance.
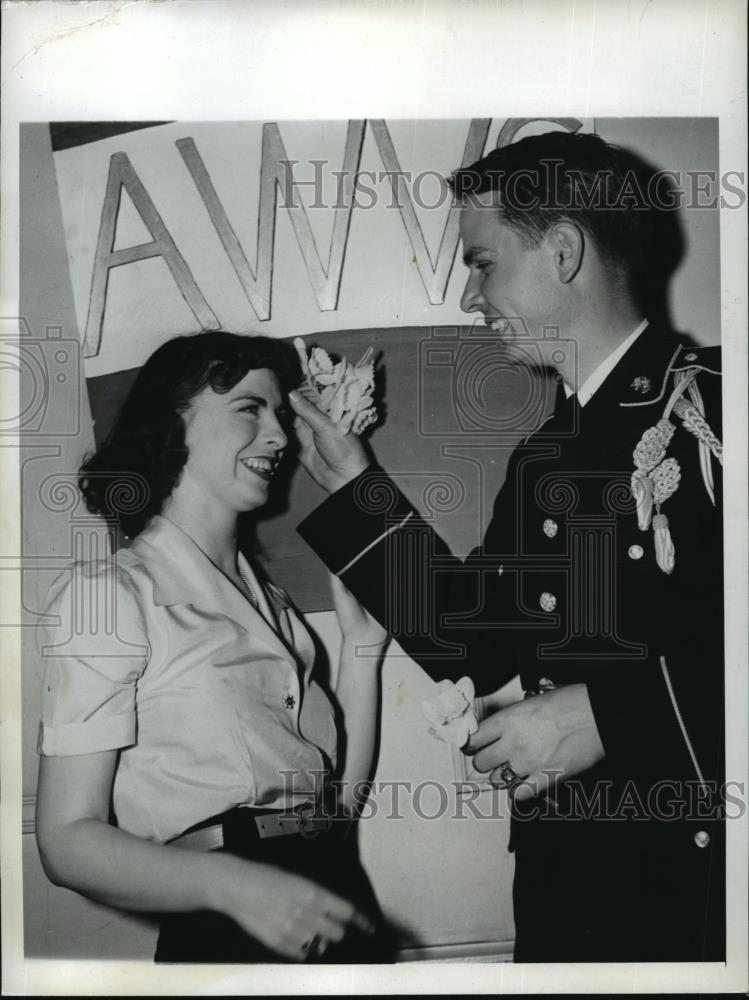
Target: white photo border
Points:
(234, 60)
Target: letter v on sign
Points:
(434, 276)
(275, 172)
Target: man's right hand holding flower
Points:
(331, 457)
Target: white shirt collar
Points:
(595, 380)
(183, 573)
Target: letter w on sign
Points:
(275, 171)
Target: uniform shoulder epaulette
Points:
(701, 359)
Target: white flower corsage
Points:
(343, 391)
(451, 713)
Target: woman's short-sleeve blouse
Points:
(156, 654)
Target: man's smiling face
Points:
(511, 282)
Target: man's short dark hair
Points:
(572, 177)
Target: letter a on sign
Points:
(122, 174)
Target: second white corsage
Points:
(451, 713)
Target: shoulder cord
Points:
(692, 416)
(656, 477)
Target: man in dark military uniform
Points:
(599, 579)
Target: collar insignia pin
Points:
(641, 384)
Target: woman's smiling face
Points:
(235, 441)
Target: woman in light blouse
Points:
(185, 747)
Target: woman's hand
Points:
(289, 914)
(356, 623)
(81, 851)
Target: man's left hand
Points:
(544, 739)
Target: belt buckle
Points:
(311, 823)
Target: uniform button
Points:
(550, 528)
(702, 838)
(635, 552)
(547, 601)
(544, 684)
(289, 701)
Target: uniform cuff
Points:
(354, 517)
(110, 732)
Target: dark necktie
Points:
(567, 411)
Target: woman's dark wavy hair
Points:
(135, 469)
